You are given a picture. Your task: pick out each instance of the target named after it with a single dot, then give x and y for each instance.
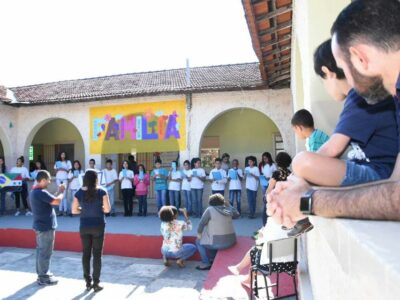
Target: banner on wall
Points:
(141, 127)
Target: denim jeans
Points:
(187, 195)
(207, 253)
(264, 210)
(174, 198)
(218, 192)
(92, 242)
(252, 198)
(235, 195)
(70, 199)
(44, 250)
(187, 251)
(2, 202)
(142, 204)
(22, 194)
(161, 196)
(127, 195)
(111, 197)
(197, 202)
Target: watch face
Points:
(305, 204)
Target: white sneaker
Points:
(28, 213)
(17, 213)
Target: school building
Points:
(174, 114)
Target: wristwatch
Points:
(306, 202)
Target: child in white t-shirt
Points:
(110, 179)
(174, 185)
(23, 194)
(197, 179)
(74, 184)
(235, 177)
(186, 191)
(252, 175)
(218, 178)
(62, 167)
(126, 178)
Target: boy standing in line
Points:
(111, 178)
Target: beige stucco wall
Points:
(8, 116)
(243, 132)
(275, 104)
(60, 131)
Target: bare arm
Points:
(106, 204)
(335, 146)
(375, 201)
(378, 201)
(59, 195)
(75, 206)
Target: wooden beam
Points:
(277, 60)
(281, 26)
(275, 13)
(284, 38)
(279, 49)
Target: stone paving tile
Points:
(122, 278)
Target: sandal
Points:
(180, 263)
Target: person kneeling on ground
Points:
(215, 231)
(172, 232)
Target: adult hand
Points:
(283, 203)
(199, 236)
(61, 188)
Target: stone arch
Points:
(6, 145)
(280, 118)
(30, 136)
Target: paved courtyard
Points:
(122, 278)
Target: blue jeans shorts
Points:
(358, 174)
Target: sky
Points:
(48, 40)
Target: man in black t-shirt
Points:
(44, 224)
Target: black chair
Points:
(276, 249)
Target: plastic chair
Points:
(277, 249)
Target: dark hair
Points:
(108, 161)
(59, 156)
(218, 159)
(303, 118)
(42, 175)
(194, 161)
(369, 21)
(77, 162)
(158, 161)
(90, 182)
(141, 165)
(252, 158)
(235, 160)
(225, 155)
(3, 166)
(186, 162)
(216, 200)
(21, 158)
(323, 57)
(283, 160)
(168, 213)
(41, 164)
(267, 155)
(92, 160)
(124, 161)
(131, 157)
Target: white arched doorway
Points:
(5, 148)
(240, 132)
(51, 136)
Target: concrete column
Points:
(311, 26)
